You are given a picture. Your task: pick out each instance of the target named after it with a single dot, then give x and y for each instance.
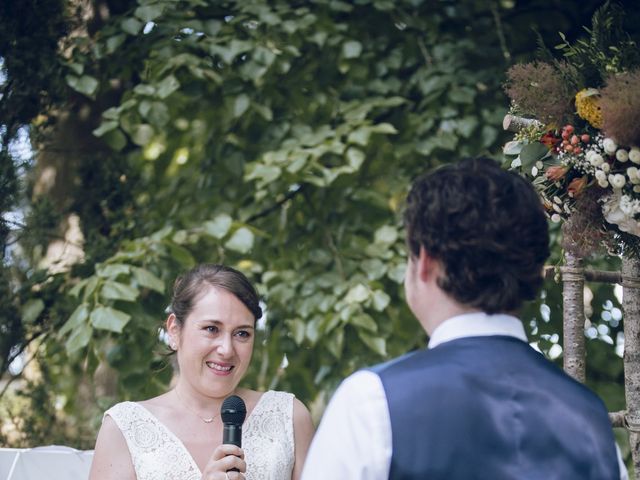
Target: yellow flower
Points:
(588, 107)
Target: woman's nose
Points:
(225, 346)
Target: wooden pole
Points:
(631, 322)
(573, 314)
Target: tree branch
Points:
(278, 204)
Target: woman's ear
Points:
(173, 329)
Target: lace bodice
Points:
(157, 454)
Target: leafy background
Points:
(278, 137)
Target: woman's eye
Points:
(211, 329)
(243, 334)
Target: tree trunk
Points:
(631, 308)
(573, 314)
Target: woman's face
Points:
(215, 343)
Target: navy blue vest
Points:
(493, 408)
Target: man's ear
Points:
(428, 267)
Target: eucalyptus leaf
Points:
(533, 152)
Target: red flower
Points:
(577, 186)
(557, 172)
(550, 140)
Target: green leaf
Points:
(297, 328)
(355, 157)
(114, 42)
(374, 268)
(266, 173)
(357, 294)
(364, 321)
(112, 270)
(85, 84)
(79, 315)
(240, 105)
(533, 152)
(351, 49)
(386, 235)
(167, 86)
(131, 26)
(148, 13)
(219, 226)
(336, 342)
(107, 318)
(360, 136)
(115, 139)
(147, 279)
(144, 89)
(142, 134)
(79, 338)
(31, 310)
(181, 254)
(105, 127)
(376, 344)
(158, 114)
(119, 291)
(464, 95)
(384, 128)
(380, 300)
(512, 148)
(241, 240)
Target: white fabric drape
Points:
(53, 462)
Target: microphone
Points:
(233, 413)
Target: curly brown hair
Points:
(488, 229)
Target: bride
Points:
(178, 435)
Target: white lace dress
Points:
(157, 454)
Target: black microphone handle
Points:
(232, 434)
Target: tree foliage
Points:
(278, 137)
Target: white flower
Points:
(609, 146)
(557, 200)
(603, 183)
(617, 180)
(600, 175)
(634, 155)
(605, 167)
(539, 165)
(622, 155)
(534, 171)
(595, 159)
(636, 189)
(613, 209)
(557, 208)
(632, 173)
(516, 163)
(555, 218)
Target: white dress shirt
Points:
(353, 440)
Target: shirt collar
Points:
(477, 324)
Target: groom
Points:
(479, 403)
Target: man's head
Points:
(487, 230)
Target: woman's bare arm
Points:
(303, 431)
(111, 458)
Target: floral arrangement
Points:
(577, 134)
